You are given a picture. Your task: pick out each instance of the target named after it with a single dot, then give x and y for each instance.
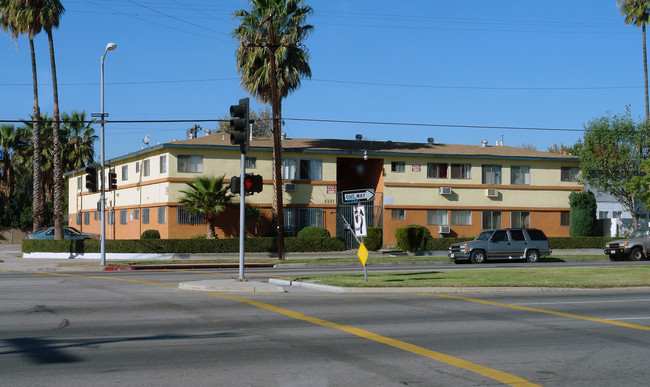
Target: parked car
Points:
(512, 243)
(68, 233)
(634, 248)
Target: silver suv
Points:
(512, 243)
(634, 248)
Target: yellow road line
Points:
(491, 373)
(561, 314)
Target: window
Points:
(183, 216)
(461, 217)
(491, 174)
(311, 169)
(125, 172)
(96, 217)
(616, 214)
(520, 175)
(569, 173)
(136, 213)
(491, 219)
(564, 218)
(437, 170)
(397, 166)
(147, 167)
(517, 235)
(398, 214)
(161, 215)
(137, 167)
(461, 171)
(437, 217)
(78, 218)
(295, 219)
(520, 219)
(251, 162)
(79, 186)
(163, 164)
(603, 214)
(124, 216)
(111, 217)
(145, 216)
(289, 169)
(86, 217)
(500, 236)
(188, 163)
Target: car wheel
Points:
(478, 256)
(532, 256)
(637, 254)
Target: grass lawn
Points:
(533, 277)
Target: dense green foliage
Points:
(150, 234)
(579, 242)
(374, 239)
(207, 196)
(583, 214)
(314, 232)
(183, 246)
(412, 237)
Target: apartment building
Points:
(453, 190)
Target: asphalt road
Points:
(138, 328)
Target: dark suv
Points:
(512, 243)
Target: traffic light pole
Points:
(242, 206)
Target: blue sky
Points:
(456, 67)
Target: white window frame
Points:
(190, 164)
(464, 170)
(125, 172)
(146, 167)
(460, 217)
(491, 174)
(438, 217)
(520, 175)
(163, 163)
(398, 166)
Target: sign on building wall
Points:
(416, 168)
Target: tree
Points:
(209, 197)
(637, 12)
(10, 143)
(77, 150)
(611, 155)
(19, 17)
(527, 146)
(271, 63)
(262, 125)
(582, 214)
(563, 149)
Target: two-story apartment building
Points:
(453, 190)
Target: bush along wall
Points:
(412, 237)
(582, 214)
(374, 240)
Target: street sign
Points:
(360, 228)
(362, 253)
(358, 195)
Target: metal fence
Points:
(374, 216)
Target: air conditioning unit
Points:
(289, 187)
(445, 191)
(492, 193)
(443, 230)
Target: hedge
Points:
(374, 239)
(313, 232)
(412, 237)
(183, 246)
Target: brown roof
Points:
(375, 147)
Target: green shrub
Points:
(582, 214)
(444, 243)
(579, 242)
(412, 237)
(150, 234)
(374, 240)
(314, 232)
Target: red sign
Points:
(331, 189)
(416, 168)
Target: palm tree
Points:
(10, 143)
(271, 63)
(209, 197)
(18, 17)
(637, 12)
(78, 148)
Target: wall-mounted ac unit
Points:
(289, 187)
(492, 193)
(445, 191)
(443, 230)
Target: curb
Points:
(185, 266)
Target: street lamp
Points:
(102, 196)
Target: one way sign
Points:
(360, 195)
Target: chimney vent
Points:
(430, 141)
(484, 143)
(359, 137)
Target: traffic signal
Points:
(252, 184)
(239, 124)
(91, 177)
(112, 180)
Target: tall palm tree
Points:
(271, 62)
(49, 13)
(637, 12)
(10, 143)
(77, 149)
(209, 197)
(18, 17)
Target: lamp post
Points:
(102, 196)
